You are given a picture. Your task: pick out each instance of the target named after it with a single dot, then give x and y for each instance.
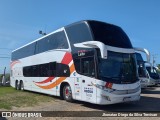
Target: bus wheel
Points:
(67, 93)
(21, 86)
(16, 85)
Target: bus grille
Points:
(121, 92)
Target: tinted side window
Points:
(27, 71)
(24, 52)
(77, 64)
(88, 66)
(42, 45)
(141, 69)
(52, 69)
(31, 71)
(35, 71)
(54, 41)
(62, 70)
(78, 33)
(58, 41)
(44, 70)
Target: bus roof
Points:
(87, 22)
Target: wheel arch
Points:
(61, 88)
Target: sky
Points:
(21, 20)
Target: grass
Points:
(9, 97)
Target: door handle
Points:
(83, 81)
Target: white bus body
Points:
(151, 80)
(142, 71)
(153, 75)
(88, 61)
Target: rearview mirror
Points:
(94, 44)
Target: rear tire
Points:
(67, 93)
(16, 85)
(21, 86)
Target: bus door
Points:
(87, 78)
(77, 80)
(77, 87)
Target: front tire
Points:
(67, 93)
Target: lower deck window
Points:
(52, 69)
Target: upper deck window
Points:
(77, 33)
(109, 34)
(24, 52)
(56, 40)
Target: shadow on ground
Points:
(145, 104)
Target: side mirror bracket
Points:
(94, 44)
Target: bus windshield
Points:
(141, 69)
(152, 72)
(109, 34)
(141, 66)
(118, 68)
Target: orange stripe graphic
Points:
(14, 62)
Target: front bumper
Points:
(109, 98)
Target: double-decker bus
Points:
(153, 74)
(88, 60)
(142, 72)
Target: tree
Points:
(158, 66)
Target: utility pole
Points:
(4, 78)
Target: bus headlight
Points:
(107, 85)
(105, 88)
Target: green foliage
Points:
(158, 66)
(7, 77)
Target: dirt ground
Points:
(149, 102)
